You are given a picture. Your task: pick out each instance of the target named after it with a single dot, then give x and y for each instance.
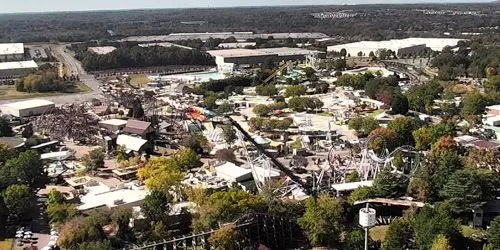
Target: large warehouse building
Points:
(27, 108)
(12, 70)
(11, 52)
(240, 36)
(402, 47)
(227, 59)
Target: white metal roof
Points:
(102, 50)
(351, 185)
(98, 198)
(18, 65)
(114, 122)
(29, 104)
(230, 172)
(227, 53)
(60, 155)
(11, 48)
(434, 43)
(130, 142)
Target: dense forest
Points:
(135, 56)
(366, 22)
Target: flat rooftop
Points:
(100, 196)
(18, 65)
(103, 50)
(11, 48)
(286, 51)
(164, 44)
(228, 53)
(29, 104)
(434, 43)
(223, 35)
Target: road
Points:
(74, 67)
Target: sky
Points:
(8, 6)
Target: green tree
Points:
(494, 233)
(430, 222)
(404, 127)
(262, 110)
(309, 72)
(26, 169)
(323, 220)
(474, 103)
(426, 136)
(468, 190)
(225, 206)
(197, 142)
(225, 238)
(5, 129)
(441, 243)
(295, 90)
(27, 131)
(58, 210)
(388, 185)
(399, 104)
(94, 159)
(20, 202)
(225, 108)
(210, 99)
(156, 206)
(355, 240)
(421, 97)
(266, 90)
(386, 137)
(363, 125)
(400, 235)
(229, 134)
(121, 217)
(94, 245)
(359, 194)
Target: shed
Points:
(131, 143)
(232, 173)
(113, 124)
(138, 127)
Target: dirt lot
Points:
(8, 92)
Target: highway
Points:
(73, 67)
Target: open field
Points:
(139, 80)
(10, 92)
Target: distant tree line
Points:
(131, 57)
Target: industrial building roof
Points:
(228, 53)
(434, 43)
(241, 36)
(236, 45)
(164, 44)
(11, 48)
(102, 50)
(29, 104)
(101, 195)
(286, 51)
(18, 65)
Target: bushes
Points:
(301, 104)
(264, 124)
(43, 82)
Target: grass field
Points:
(378, 233)
(8, 92)
(139, 80)
(6, 244)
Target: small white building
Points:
(131, 143)
(27, 108)
(113, 124)
(232, 173)
(99, 195)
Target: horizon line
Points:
(244, 6)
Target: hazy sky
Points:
(8, 6)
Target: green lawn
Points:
(8, 92)
(6, 244)
(378, 233)
(139, 81)
(376, 112)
